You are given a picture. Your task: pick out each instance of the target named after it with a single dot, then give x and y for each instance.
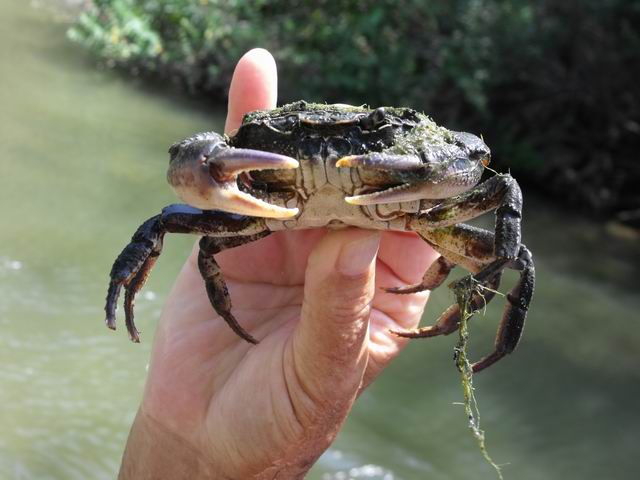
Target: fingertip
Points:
(357, 256)
(254, 86)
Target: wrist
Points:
(154, 452)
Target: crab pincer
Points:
(441, 171)
(204, 172)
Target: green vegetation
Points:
(551, 85)
(465, 289)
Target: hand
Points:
(216, 406)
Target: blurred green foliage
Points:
(553, 86)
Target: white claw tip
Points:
(290, 212)
(292, 163)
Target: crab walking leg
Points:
(132, 288)
(500, 192)
(131, 269)
(474, 243)
(214, 281)
(515, 311)
(432, 279)
(438, 272)
(134, 264)
(449, 320)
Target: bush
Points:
(551, 85)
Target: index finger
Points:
(254, 86)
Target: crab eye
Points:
(378, 116)
(374, 119)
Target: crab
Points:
(307, 165)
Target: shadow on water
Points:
(82, 157)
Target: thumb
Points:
(330, 344)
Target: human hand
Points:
(216, 406)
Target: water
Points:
(82, 158)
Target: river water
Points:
(82, 159)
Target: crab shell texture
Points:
(309, 165)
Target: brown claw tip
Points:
(403, 290)
(110, 322)
(419, 333)
(248, 338)
(486, 362)
(400, 333)
(391, 289)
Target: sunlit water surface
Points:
(82, 159)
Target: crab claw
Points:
(402, 193)
(409, 165)
(381, 161)
(204, 170)
(432, 172)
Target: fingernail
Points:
(356, 256)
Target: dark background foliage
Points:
(552, 86)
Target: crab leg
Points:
(449, 321)
(463, 245)
(214, 281)
(131, 269)
(483, 253)
(482, 198)
(515, 311)
(463, 241)
(436, 275)
(500, 192)
(132, 288)
(134, 264)
(432, 279)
